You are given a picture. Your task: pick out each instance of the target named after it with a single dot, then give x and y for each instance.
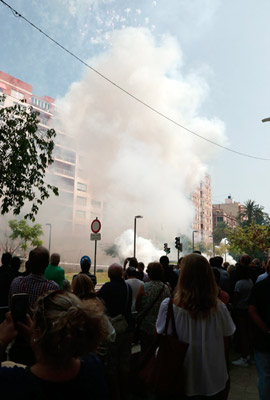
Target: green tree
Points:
(252, 213)
(220, 232)
(253, 240)
(25, 153)
(26, 234)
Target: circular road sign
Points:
(95, 226)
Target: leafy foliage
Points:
(252, 213)
(249, 239)
(220, 232)
(25, 153)
(26, 233)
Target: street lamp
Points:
(135, 218)
(50, 235)
(266, 119)
(193, 240)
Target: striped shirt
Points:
(34, 285)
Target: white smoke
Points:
(137, 161)
(145, 249)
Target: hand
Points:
(7, 330)
(26, 329)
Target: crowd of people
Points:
(77, 340)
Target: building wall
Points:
(202, 200)
(71, 213)
(227, 212)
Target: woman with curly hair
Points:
(64, 329)
(204, 322)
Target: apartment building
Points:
(227, 212)
(202, 200)
(70, 213)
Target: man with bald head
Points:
(117, 297)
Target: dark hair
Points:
(85, 266)
(216, 261)
(216, 274)
(82, 286)
(38, 260)
(155, 271)
(133, 262)
(245, 259)
(6, 258)
(15, 263)
(164, 261)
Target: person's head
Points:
(245, 259)
(216, 261)
(140, 266)
(64, 327)
(133, 262)
(197, 252)
(115, 272)
(267, 267)
(226, 265)
(55, 259)
(85, 266)
(15, 263)
(6, 258)
(255, 263)
(196, 290)
(155, 271)
(164, 261)
(131, 272)
(38, 260)
(82, 286)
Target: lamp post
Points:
(135, 218)
(50, 236)
(266, 119)
(193, 240)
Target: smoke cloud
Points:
(137, 162)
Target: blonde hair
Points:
(68, 327)
(82, 286)
(196, 290)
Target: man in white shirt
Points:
(135, 285)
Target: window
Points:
(219, 219)
(82, 187)
(96, 203)
(80, 214)
(81, 201)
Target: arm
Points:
(140, 293)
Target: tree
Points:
(25, 233)
(220, 232)
(253, 240)
(25, 153)
(252, 213)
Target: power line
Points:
(17, 14)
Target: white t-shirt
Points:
(135, 285)
(205, 364)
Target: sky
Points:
(202, 63)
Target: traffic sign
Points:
(95, 236)
(95, 226)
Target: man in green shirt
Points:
(53, 272)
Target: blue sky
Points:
(223, 44)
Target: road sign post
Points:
(95, 228)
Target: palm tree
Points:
(252, 213)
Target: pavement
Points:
(243, 381)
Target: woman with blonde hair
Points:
(204, 322)
(63, 335)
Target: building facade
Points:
(202, 199)
(71, 212)
(227, 212)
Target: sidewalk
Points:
(243, 383)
